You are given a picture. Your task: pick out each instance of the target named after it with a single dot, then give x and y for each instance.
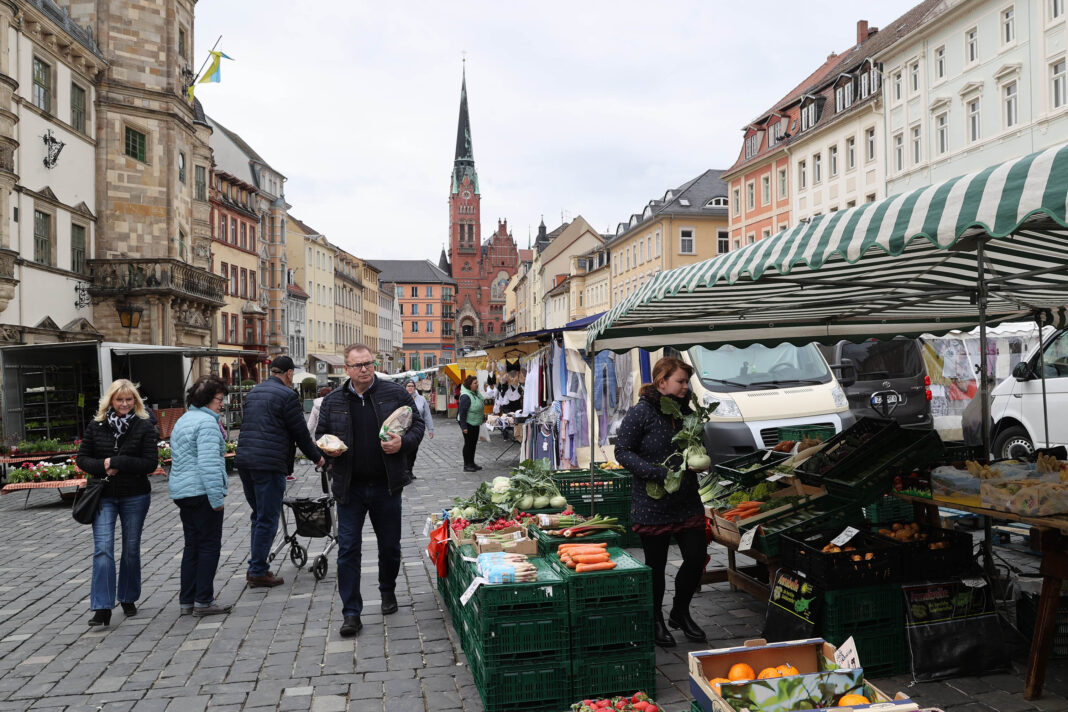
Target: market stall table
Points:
(743, 578)
(1054, 568)
(30, 486)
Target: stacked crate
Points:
(611, 621)
(875, 618)
(598, 491)
(515, 638)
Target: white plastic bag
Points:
(483, 433)
(397, 423)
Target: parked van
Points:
(761, 389)
(1016, 409)
(884, 379)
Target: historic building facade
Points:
(425, 296)
(153, 235)
(47, 174)
(481, 270)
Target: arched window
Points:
(720, 201)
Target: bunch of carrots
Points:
(742, 511)
(586, 557)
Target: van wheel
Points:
(1012, 443)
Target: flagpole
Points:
(208, 59)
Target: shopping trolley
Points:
(314, 518)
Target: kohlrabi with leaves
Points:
(690, 439)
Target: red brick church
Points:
(482, 270)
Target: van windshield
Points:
(884, 359)
(729, 368)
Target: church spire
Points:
(464, 163)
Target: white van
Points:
(761, 389)
(1016, 413)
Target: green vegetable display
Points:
(690, 438)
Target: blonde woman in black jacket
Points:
(120, 444)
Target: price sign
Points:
(777, 476)
(846, 656)
(725, 483)
(426, 527)
(843, 538)
(747, 540)
(466, 595)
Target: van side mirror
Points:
(845, 372)
(1023, 371)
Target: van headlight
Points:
(727, 407)
(839, 396)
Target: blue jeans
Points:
(130, 511)
(385, 512)
(200, 557)
(264, 491)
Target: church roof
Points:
(464, 161)
(443, 262)
(411, 272)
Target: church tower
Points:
(465, 232)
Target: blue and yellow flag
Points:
(213, 74)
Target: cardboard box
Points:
(813, 658)
(520, 543)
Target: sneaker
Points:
(212, 610)
(267, 580)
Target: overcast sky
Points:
(586, 107)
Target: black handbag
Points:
(87, 500)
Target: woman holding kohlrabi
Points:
(659, 442)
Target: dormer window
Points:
(720, 201)
(843, 94)
(752, 144)
(809, 112)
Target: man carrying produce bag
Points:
(378, 423)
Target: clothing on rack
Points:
(604, 378)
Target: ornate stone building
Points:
(153, 236)
(49, 65)
(482, 270)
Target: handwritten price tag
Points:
(843, 538)
(846, 656)
(747, 540)
(466, 595)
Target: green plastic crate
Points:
(580, 486)
(883, 653)
(750, 469)
(888, 509)
(497, 602)
(612, 631)
(861, 610)
(609, 675)
(517, 640)
(823, 513)
(538, 686)
(629, 584)
(1027, 612)
(547, 543)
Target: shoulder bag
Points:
(87, 500)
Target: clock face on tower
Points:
(466, 195)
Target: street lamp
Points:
(129, 315)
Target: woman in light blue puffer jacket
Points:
(198, 485)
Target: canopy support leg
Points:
(984, 394)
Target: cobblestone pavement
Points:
(280, 650)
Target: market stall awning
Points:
(906, 265)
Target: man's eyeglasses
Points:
(359, 366)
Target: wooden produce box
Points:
(728, 531)
(521, 542)
(819, 675)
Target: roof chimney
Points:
(862, 31)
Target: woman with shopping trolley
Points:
(198, 485)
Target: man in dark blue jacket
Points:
(273, 420)
(367, 479)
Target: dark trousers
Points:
(470, 441)
(264, 491)
(384, 509)
(692, 545)
(411, 458)
(202, 526)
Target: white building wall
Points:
(49, 291)
(1025, 61)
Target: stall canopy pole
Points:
(984, 394)
(1040, 317)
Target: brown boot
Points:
(267, 580)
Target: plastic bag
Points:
(397, 423)
(331, 445)
(483, 433)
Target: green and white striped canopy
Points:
(906, 265)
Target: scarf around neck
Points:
(119, 423)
